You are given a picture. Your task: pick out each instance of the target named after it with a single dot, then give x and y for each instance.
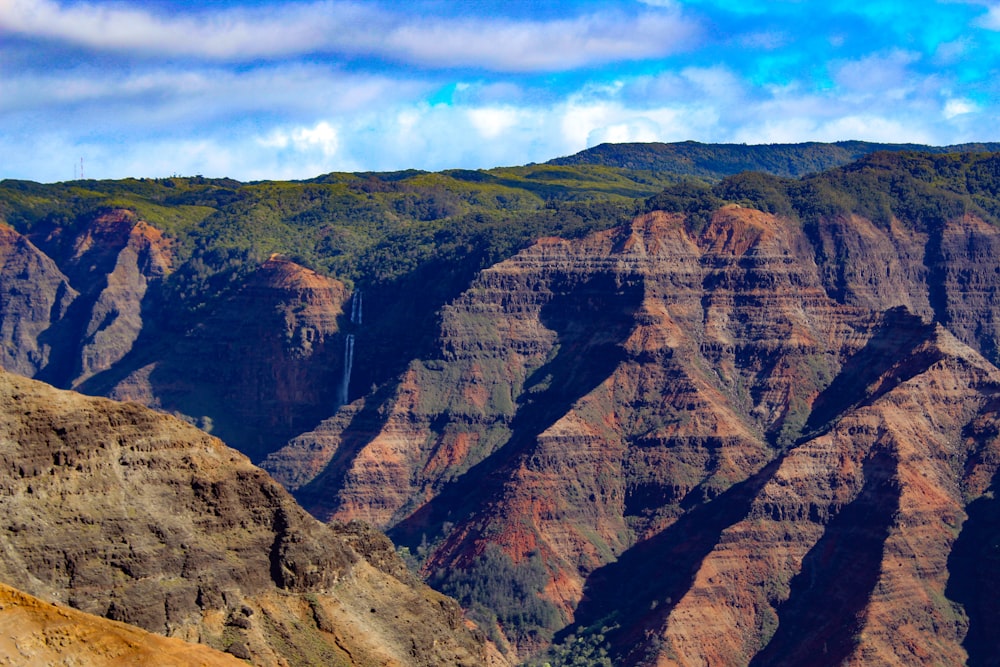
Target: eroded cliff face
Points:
(112, 261)
(34, 298)
(262, 366)
(730, 438)
(139, 517)
(837, 551)
(84, 309)
(625, 408)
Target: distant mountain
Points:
(714, 162)
(676, 437)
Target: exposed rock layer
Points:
(637, 402)
(34, 297)
(783, 431)
(262, 367)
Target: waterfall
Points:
(356, 308)
(345, 382)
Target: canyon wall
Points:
(626, 405)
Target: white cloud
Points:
(298, 121)
(321, 136)
(872, 127)
(355, 29)
(881, 73)
(160, 97)
(959, 107)
(638, 129)
(235, 34)
(540, 46)
(406, 134)
(490, 123)
(716, 83)
(991, 20)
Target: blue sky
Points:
(253, 89)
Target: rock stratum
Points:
(136, 516)
(725, 445)
(87, 313)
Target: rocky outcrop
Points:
(837, 551)
(709, 435)
(33, 632)
(622, 402)
(131, 255)
(261, 365)
(136, 516)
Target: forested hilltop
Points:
(591, 402)
(714, 162)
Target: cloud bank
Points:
(257, 90)
(352, 29)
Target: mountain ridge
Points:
(716, 161)
(734, 347)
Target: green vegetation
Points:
(587, 647)
(695, 199)
(921, 190)
(499, 593)
(382, 229)
(404, 233)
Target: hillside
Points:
(129, 514)
(33, 632)
(591, 403)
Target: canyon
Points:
(713, 412)
(749, 422)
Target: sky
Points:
(257, 89)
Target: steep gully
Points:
(591, 321)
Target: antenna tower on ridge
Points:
(81, 169)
